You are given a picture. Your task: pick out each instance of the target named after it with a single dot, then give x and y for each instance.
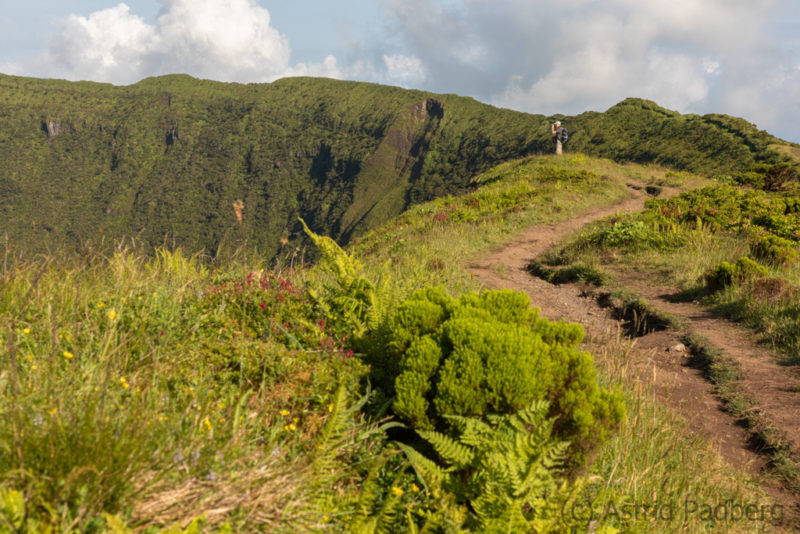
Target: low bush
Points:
(775, 249)
(725, 274)
(579, 272)
(490, 353)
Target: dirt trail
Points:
(775, 388)
(674, 380)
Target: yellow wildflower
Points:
(68, 355)
(414, 488)
(207, 424)
(112, 315)
(33, 367)
(295, 419)
(330, 407)
(284, 412)
(290, 427)
(397, 491)
(53, 411)
(26, 330)
(124, 382)
(101, 305)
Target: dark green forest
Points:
(164, 160)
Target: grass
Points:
(429, 242)
(163, 393)
(156, 391)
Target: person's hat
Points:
(558, 123)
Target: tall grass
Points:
(154, 392)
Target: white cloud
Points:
(105, 46)
(545, 57)
(230, 41)
(657, 50)
(403, 69)
(711, 66)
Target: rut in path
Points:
(684, 388)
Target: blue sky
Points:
(740, 57)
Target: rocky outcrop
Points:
(382, 184)
(54, 128)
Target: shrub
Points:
(654, 233)
(751, 178)
(775, 249)
(782, 225)
(779, 177)
(791, 205)
(490, 353)
(720, 276)
(726, 274)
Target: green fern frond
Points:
(332, 433)
(387, 516)
(344, 265)
(533, 414)
(429, 472)
(473, 431)
(453, 452)
(555, 457)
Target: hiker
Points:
(559, 135)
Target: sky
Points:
(739, 57)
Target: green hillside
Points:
(156, 395)
(165, 159)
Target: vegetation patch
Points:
(158, 393)
(734, 248)
(490, 353)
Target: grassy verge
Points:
(154, 393)
(657, 463)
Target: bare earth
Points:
(775, 388)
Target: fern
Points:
(334, 431)
(458, 455)
(364, 519)
(344, 265)
(347, 292)
(505, 470)
(431, 474)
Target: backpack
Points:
(563, 135)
